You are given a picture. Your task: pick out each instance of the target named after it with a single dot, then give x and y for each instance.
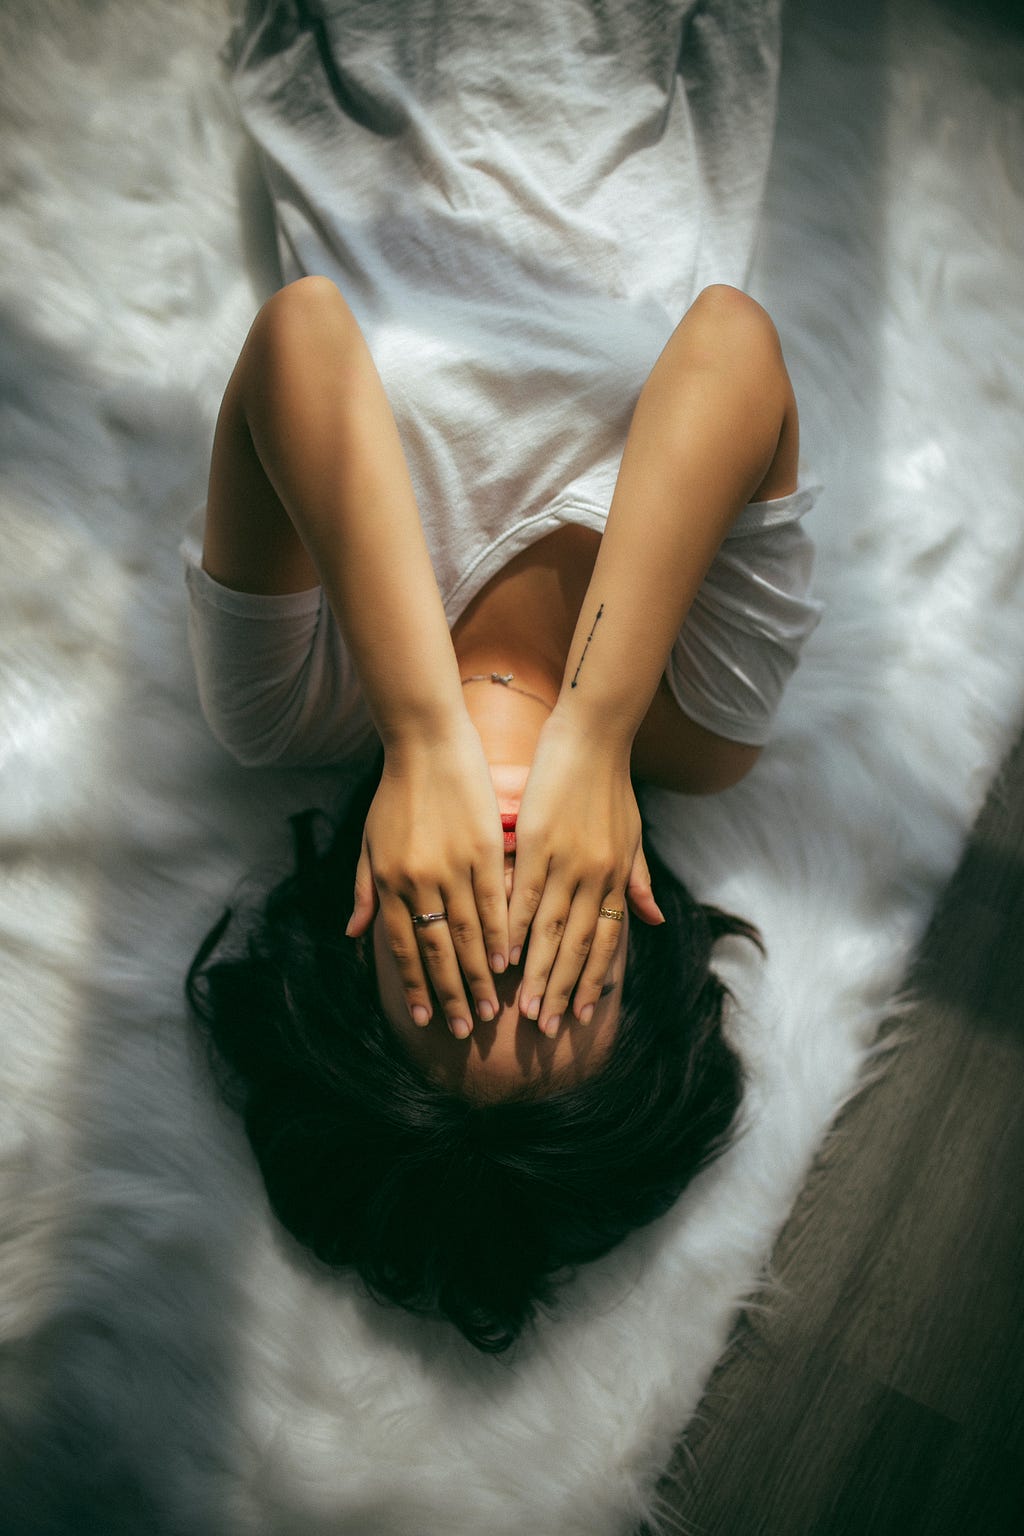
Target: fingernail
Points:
(460, 1028)
(420, 1015)
(348, 926)
(498, 963)
(533, 1010)
(587, 1014)
(514, 956)
(485, 1010)
(550, 1026)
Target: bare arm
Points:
(307, 445)
(715, 426)
(326, 438)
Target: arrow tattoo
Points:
(586, 648)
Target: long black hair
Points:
(468, 1210)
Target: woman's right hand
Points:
(433, 843)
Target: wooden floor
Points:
(884, 1391)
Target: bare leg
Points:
(670, 749)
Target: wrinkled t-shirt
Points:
(519, 202)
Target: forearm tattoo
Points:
(586, 648)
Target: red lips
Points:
(508, 827)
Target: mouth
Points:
(509, 780)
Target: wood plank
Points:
(881, 1388)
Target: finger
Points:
(603, 950)
(401, 940)
(365, 902)
(576, 958)
(640, 894)
(438, 956)
(492, 910)
(471, 954)
(546, 935)
(529, 882)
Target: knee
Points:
(737, 333)
(303, 313)
(735, 318)
(314, 295)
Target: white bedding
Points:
(168, 1361)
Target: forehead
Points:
(510, 1053)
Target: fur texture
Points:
(170, 1363)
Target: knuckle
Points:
(616, 877)
(476, 974)
(432, 947)
(478, 983)
(463, 932)
(556, 998)
(412, 982)
(603, 959)
(410, 974)
(529, 894)
(450, 997)
(415, 874)
(593, 972)
(403, 949)
(582, 945)
(385, 878)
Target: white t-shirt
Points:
(520, 202)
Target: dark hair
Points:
(449, 1206)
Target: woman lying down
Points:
(475, 1035)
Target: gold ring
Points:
(615, 913)
(421, 919)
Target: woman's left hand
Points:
(578, 849)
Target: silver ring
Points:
(615, 913)
(422, 919)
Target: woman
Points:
(479, 1085)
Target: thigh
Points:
(250, 543)
(671, 751)
(732, 659)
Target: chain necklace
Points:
(505, 679)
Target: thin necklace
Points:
(506, 681)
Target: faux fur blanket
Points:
(170, 1362)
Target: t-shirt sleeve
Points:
(747, 627)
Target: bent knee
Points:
(733, 320)
(303, 310)
(726, 305)
(306, 295)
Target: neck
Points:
(508, 720)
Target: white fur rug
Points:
(170, 1364)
